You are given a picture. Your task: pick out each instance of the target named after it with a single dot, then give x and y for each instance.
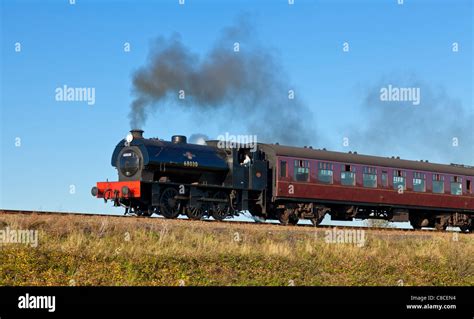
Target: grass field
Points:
(78, 250)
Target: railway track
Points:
(184, 220)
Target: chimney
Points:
(137, 133)
(178, 139)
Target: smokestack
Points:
(137, 133)
(178, 139)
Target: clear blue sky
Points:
(81, 45)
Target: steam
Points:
(198, 138)
(236, 76)
(438, 129)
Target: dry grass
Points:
(78, 250)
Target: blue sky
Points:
(67, 145)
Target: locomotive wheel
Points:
(170, 207)
(415, 225)
(466, 228)
(319, 216)
(415, 222)
(441, 226)
(220, 210)
(195, 213)
(146, 213)
(316, 221)
(287, 216)
(293, 220)
(283, 217)
(141, 212)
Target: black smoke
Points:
(249, 86)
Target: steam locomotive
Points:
(172, 178)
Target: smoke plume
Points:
(237, 76)
(198, 138)
(438, 129)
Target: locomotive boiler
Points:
(152, 160)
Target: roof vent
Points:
(461, 165)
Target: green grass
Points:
(78, 250)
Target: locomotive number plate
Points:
(191, 163)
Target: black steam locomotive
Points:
(285, 183)
(173, 178)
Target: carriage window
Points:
(438, 183)
(399, 179)
(283, 169)
(325, 172)
(468, 186)
(347, 175)
(456, 185)
(370, 177)
(384, 179)
(301, 170)
(419, 182)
